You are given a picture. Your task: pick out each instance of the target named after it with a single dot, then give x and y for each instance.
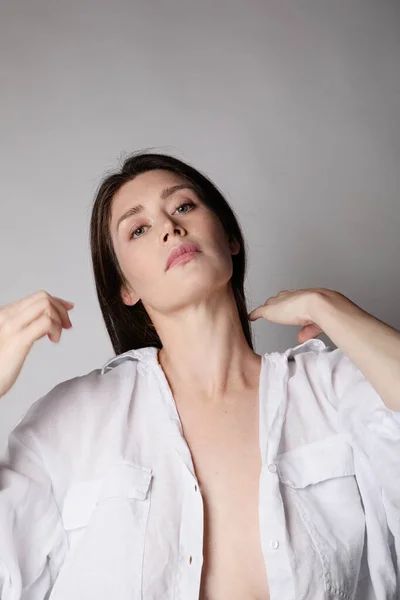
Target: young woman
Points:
(189, 466)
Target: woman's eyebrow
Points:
(166, 192)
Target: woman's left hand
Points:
(294, 307)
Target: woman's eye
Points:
(132, 234)
(185, 204)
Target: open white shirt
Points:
(99, 498)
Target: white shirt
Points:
(99, 498)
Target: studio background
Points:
(291, 107)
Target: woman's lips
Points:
(183, 258)
(179, 250)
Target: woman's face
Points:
(144, 239)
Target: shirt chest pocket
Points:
(319, 483)
(106, 521)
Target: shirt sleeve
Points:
(373, 431)
(32, 538)
(372, 428)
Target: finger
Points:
(313, 329)
(309, 332)
(57, 311)
(44, 325)
(34, 312)
(52, 303)
(256, 313)
(64, 302)
(63, 307)
(23, 303)
(54, 309)
(51, 310)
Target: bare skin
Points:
(224, 444)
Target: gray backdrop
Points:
(290, 106)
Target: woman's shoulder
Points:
(78, 402)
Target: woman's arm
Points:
(372, 345)
(32, 538)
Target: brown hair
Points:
(130, 327)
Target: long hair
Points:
(130, 327)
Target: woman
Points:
(189, 466)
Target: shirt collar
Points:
(148, 355)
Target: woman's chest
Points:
(226, 456)
(233, 566)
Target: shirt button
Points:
(274, 544)
(272, 468)
(190, 559)
(195, 487)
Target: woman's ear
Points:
(128, 296)
(234, 245)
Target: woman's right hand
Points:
(21, 324)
